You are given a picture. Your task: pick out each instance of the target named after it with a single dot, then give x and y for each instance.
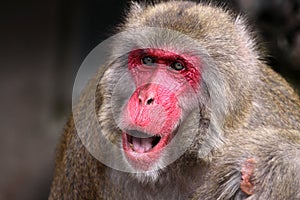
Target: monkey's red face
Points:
(154, 111)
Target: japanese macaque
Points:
(192, 110)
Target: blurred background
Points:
(42, 44)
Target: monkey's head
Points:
(175, 79)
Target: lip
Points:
(143, 160)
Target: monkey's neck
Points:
(173, 182)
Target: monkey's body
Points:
(80, 176)
(257, 155)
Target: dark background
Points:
(42, 44)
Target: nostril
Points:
(150, 101)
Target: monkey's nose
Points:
(147, 95)
(146, 101)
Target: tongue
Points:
(142, 145)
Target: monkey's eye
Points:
(177, 66)
(147, 60)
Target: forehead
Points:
(157, 38)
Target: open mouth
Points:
(142, 143)
(143, 150)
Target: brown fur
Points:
(261, 122)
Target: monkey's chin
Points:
(143, 152)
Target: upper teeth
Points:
(138, 134)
